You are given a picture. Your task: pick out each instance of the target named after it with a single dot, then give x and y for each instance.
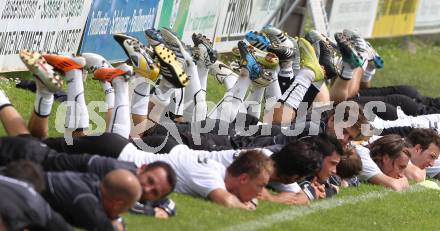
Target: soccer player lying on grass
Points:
(128, 148)
(424, 152)
(384, 162)
(157, 179)
(21, 206)
(195, 176)
(425, 148)
(83, 200)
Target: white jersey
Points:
(196, 176)
(369, 167)
(226, 158)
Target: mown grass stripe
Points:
(297, 212)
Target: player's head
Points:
(120, 189)
(247, 176)
(296, 160)
(157, 179)
(331, 151)
(350, 164)
(426, 147)
(391, 153)
(350, 133)
(26, 171)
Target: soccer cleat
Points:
(277, 36)
(220, 71)
(177, 46)
(266, 59)
(203, 51)
(249, 61)
(309, 60)
(348, 52)
(154, 37)
(95, 61)
(360, 45)
(327, 56)
(170, 68)
(257, 40)
(283, 53)
(108, 73)
(42, 71)
(377, 60)
(142, 62)
(65, 63)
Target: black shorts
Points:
(204, 141)
(14, 148)
(107, 144)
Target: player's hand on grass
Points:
(319, 190)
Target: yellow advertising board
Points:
(395, 17)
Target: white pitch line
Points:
(296, 212)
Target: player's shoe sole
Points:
(43, 71)
(211, 54)
(348, 52)
(257, 40)
(249, 61)
(142, 62)
(266, 59)
(170, 67)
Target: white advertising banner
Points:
(202, 18)
(428, 17)
(240, 16)
(358, 15)
(43, 25)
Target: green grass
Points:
(416, 64)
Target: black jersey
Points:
(77, 198)
(21, 207)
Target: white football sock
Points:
(177, 104)
(195, 97)
(271, 95)
(109, 94)
(141, 96)
(4, 100)
(228, 107)
(77, 116)
(347, 71)
(368, 74)
(295, 93)
(162, 93)
(253, 101)
(120, 122)
(43, 101)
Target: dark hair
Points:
(298, 158)
(171, 174)
(424, 137)
(350, 164)
(361, 119)
(327, 144)
(252, 162)
(392, 145)
(27, 171)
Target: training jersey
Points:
(77, 198)
(22, 207)
(196, 176)
(369, 167)
(226, 158)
